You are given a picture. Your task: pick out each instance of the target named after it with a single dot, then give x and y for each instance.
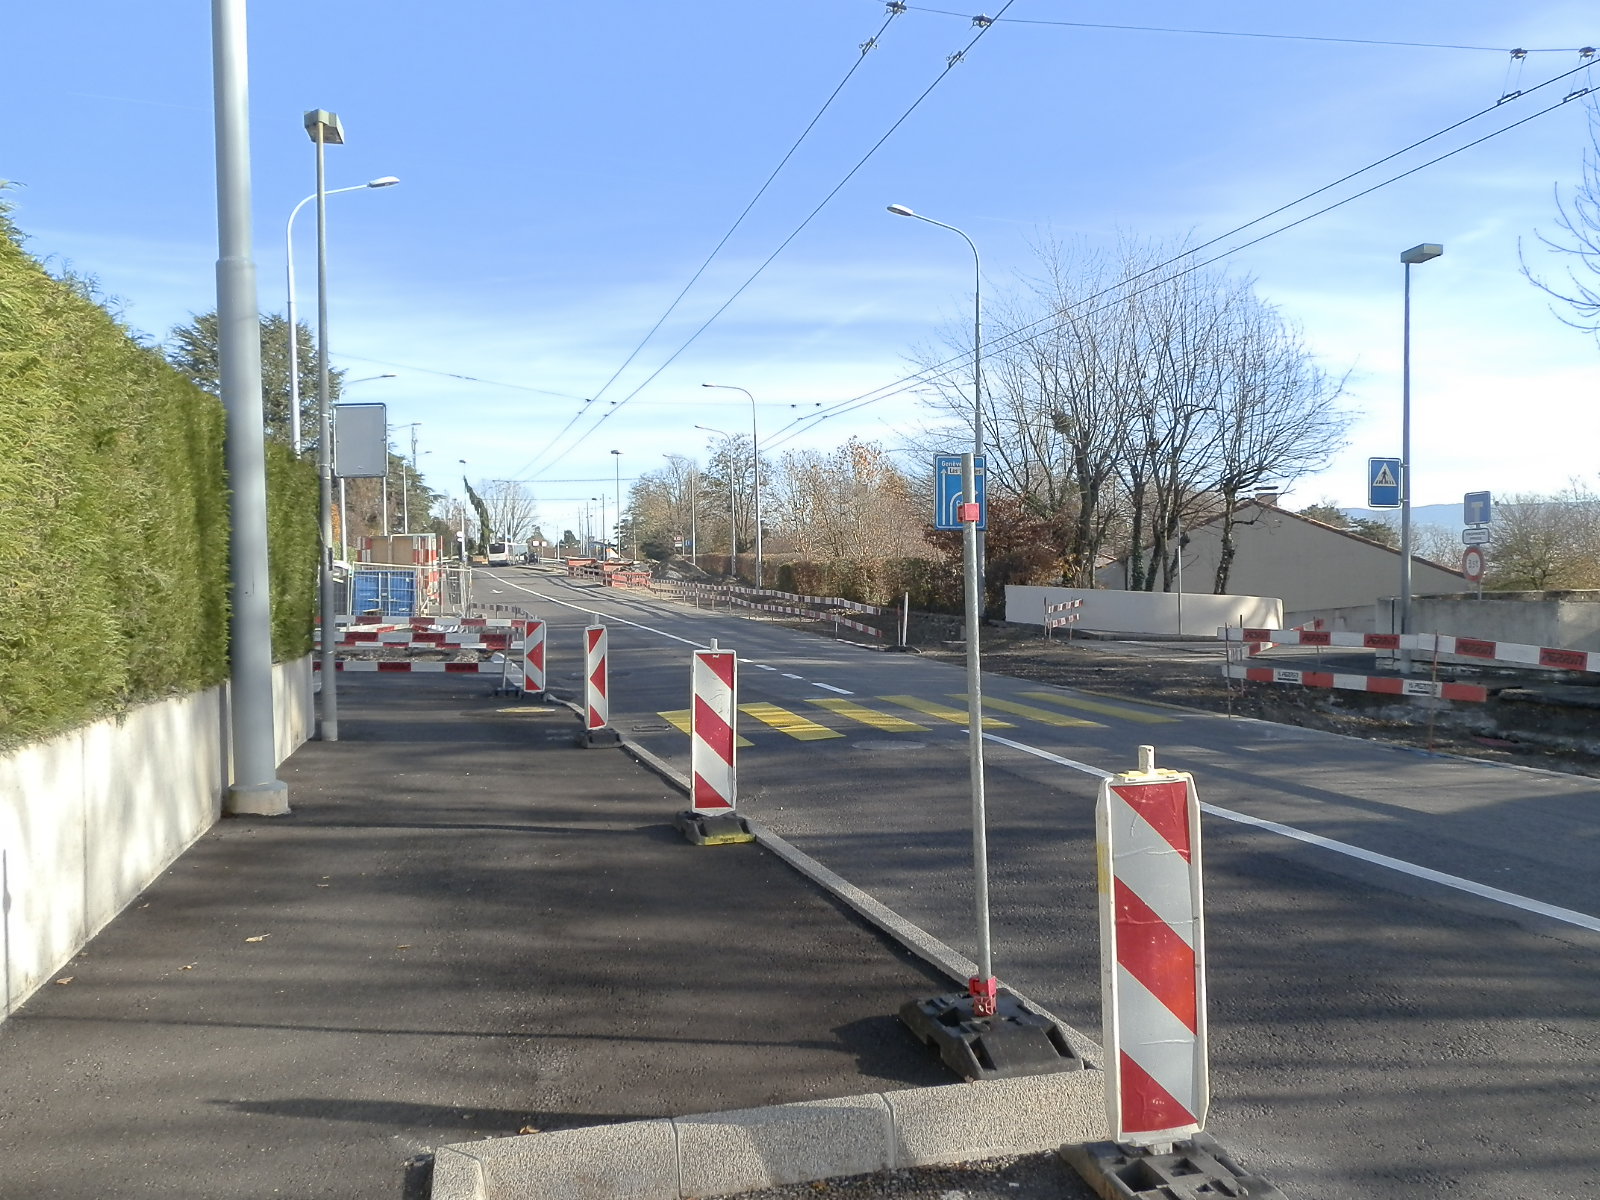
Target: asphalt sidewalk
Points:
(467, 928)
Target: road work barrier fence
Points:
(1063, 614)
(805, 607)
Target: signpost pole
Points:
(983, 987)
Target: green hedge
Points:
(114, 516)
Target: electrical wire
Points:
(1280, 37)
(950, 65)
(1020, 336)
(865, 48)
(521, 387)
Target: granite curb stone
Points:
(724, 1154)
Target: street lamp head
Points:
(383, 181)
(617, 452)
(1422, 253)
(710, 385)
(320, 119)
(901, 210)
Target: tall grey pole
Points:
(255, 788)
(330, 631)
(1405, 474)
(980, 850)
(694, 516)
(405, 495)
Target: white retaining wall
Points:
(89, 819)
(1144, 612)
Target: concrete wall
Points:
(1143, 612)
(1565, 620)
(1312, 566)
(91, 818)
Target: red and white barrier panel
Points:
(1386, 684)
(595, 642)
(384, 667)
(1057, 615)
(809, 614)
(1152, 955)
(713, 755)
(533, 659)
(435, 637)
(1426, 643)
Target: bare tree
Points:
(852, 503)
(1546, 541)
(1578, 218)
(512, 510)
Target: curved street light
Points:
(294, 340)
(755, 465)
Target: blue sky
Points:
(566, 168)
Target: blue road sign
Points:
(948, 493)
(1476, 508)
(1383, 483)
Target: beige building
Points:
(1312, 567)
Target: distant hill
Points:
(1448, 515)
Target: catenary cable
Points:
(950, 65)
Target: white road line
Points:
(589, 608)
(787, 675)
(831, 688)
(1511, 899)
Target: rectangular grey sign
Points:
(360, 441)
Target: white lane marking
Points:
(1045, 754)
(787, 675)
(831, 688)
(1527, 904)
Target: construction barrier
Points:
(1392, 685)
(1152, 954)
(595, 708)
(1425, 643)
(384, 667)
(533, 641)
(712, 754)
(1062, 614)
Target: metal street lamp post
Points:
(324, 128)
(1417, 254)
(289, 313)
(616, 490)
(255, 787)
(900, 210)
(733, 513)
(755, 466)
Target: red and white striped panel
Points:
(1514, 652)
(1386, 684)
(1152, 957)
(713, 757)
(595, 706)
(533, 659)
(387, 666)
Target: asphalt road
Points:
(1408, 1006)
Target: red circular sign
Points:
(1472, 564)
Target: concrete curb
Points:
(724, 1154)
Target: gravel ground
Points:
(1041, 1176)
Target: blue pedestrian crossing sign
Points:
(1383, 483)
(948, 492)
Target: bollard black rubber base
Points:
(713, 829)
(588, 739)
(1017, 1040)
(1195, 1169)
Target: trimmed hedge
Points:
(114, 516)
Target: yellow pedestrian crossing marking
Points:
(887, 722)
(679, 717)
(784, 721)
(956, 716)
(1101, 707)
(1034, 714)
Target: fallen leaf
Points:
(260, 937)
(188, 966)
(529, 1129)
(324, 885)
(66, 979)
(403, 946)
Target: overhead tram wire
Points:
(950, 65)
(521, 387)
(1020, 336)
(865, 47)
(1244, 33)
